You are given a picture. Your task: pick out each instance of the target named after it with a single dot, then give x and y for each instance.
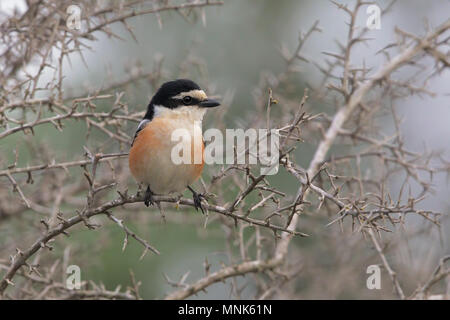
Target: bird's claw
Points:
(198, 201)
(148, 200)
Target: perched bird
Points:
(177, 104)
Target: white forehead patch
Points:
(198, 94)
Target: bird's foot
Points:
(198, 201)
(197, 197)
(148, 200)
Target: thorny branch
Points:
(353, 98)
(66, 193)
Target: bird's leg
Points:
(139, 190)
(197, 199)
(148, 199)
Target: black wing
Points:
(141, 126)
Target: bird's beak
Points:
(209, 103)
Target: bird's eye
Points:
(187, 100)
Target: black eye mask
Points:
(187, 102)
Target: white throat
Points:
(185, 113)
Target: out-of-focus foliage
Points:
(237, 51)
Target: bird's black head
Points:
(179, 93)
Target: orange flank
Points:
(151, 163)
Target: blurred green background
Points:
(241, 40)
